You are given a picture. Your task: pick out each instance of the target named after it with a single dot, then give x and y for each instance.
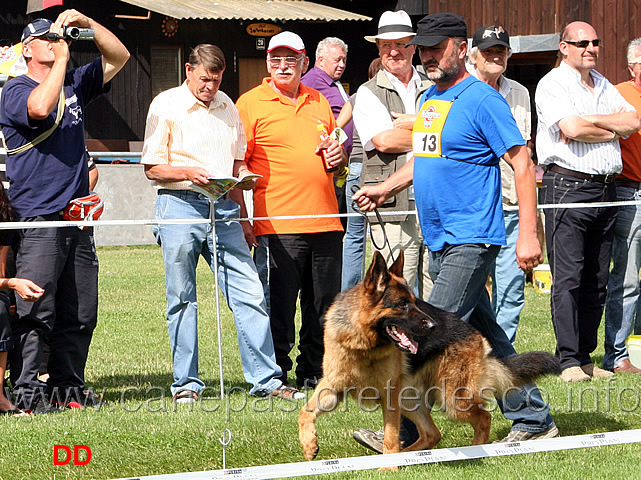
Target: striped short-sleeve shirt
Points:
(560, 94)
(182, 131)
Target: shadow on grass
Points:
(581, 423)
(143, 387)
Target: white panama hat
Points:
(392, 26)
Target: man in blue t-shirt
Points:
(43, 180)
(462, 130)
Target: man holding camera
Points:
(43, 182)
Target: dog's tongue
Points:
(411, 345)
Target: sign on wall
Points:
(262, 29)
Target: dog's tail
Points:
(518, 370)
(527, 367)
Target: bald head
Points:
(574, 29)
(579, 46)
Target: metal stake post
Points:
(212, 218)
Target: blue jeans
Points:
(459, 273)
(182, 246)
(354, 240)
(508, 280)
(623, 286)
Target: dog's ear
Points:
(377, 275)
(397, 266)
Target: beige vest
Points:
(378, 166)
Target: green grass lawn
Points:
(140, 432)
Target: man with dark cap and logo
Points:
(463, 129)
(488, 55)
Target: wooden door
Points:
(251, 72)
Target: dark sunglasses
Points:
(584, 43)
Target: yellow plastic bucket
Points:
(633, 343)
(542, 278)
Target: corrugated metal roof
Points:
(283, 10)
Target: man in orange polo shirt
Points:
(284, 121)
(623, 285)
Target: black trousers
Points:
(309, 264)
(63, 261)
(579, 241)
(6, 343)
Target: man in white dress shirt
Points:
(581, 117)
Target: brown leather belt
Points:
(609, 178)
(624, 182)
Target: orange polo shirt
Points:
(631, 146)
(281, 141)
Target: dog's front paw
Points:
(309, 442)
(310, 452)
(388, 469)
(310, 448)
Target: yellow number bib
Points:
(426, 134)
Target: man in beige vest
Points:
(383, 116)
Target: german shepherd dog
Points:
(405, 355)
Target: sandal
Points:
(16, 412)
(287, 392)
(185, 396)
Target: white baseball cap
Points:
(286, 39)
(392, 26)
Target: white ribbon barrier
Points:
(320, 467)
(186, 221)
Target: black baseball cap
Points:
(37, 28)
(486, 37)
(433, 29)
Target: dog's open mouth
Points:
(402, 340)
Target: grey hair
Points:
(325, 43)
(473, 52)
(633, 47)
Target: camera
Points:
(76, 33)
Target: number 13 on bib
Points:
(426, 134)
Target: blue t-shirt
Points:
(46, 177)
(458, 195)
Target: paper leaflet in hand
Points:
(339, 135)
(12, 62)
(217, 187)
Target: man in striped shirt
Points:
(194, 133)
(581, 117)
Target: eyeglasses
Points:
(392, 45)
(49, 37)
(289, 61)
(584, 43)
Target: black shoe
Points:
(307, 383)
(79, 399)
(43, 405)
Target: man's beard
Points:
(441, 75)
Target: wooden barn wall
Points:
(616, 22)
(121, 113)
